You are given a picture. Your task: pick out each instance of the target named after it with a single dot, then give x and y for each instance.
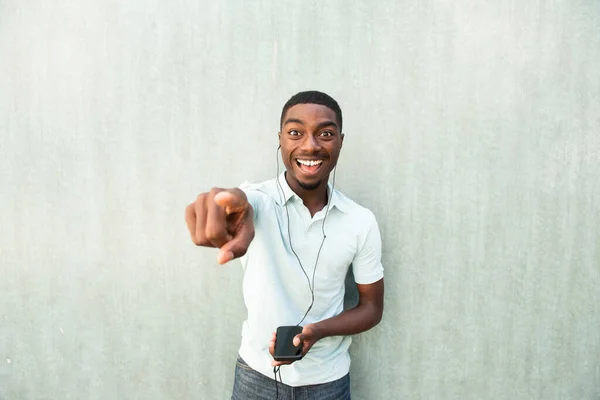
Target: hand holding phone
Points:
(282, 346)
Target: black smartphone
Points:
(284, 344)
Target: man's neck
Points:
(314, 199)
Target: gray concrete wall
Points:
(472, 131)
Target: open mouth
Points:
(309, 166)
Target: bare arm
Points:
(359, 319)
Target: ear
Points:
(279, 139)
(342, 136)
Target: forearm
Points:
(351, 322)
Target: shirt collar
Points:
(288, 193)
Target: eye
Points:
(294, 132)
(326, 133)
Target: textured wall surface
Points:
(472, 131)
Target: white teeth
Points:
(310, 162)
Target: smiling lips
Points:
(309, 166)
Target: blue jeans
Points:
(252, 385)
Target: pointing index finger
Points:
(232, 200)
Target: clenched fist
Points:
(221, 218)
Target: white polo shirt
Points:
(276, 291)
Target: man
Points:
(297, 236)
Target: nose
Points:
(311, 144)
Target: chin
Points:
(309, 185)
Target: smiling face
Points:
(311, 141)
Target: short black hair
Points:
(313, 97)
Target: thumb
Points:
(299, 338)
(237, 246)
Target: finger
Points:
(190, 220)
(200, 211)
(278, 363)
(306, 347)
(225, 256)
(237, 246)
(232, 200)
(272, 345)
(216, 222)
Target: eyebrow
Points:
(299, 121)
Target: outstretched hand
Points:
(221, 218)
(309, 336)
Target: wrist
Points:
(317, 330)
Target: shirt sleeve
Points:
(366, 265)
(255, 197)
